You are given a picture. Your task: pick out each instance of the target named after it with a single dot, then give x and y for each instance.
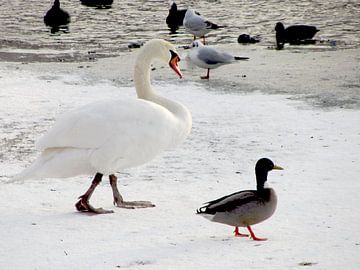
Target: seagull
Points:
(210, 58)
(294, 34)
(56, 17)
(198, 25)
(105, 137)
(247, 207)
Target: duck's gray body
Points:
(241, 209)
(248, 207)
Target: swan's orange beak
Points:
(174, 63)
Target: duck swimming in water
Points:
(294, 34)
(56, 17)
(247, 207)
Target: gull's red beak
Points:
(174, 63)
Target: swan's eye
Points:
(174, 55)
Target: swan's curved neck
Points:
(142, 76)
(143, 83)
(145, 91)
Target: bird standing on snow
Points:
(198, 25)
(294, 34)
(103, 138)
(56, 17)
(245, 208)
(210, 58)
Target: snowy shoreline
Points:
(313, 134)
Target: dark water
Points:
(106, 32)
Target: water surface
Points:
(107, 32)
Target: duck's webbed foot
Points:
(119, 201)
(253, 236)
(238, 234)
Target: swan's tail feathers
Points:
(58, 163)
(24, 175)
(241, 58)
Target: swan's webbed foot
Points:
(134, 204)
(83, 205)
(119, 201)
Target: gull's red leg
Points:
(207, 75)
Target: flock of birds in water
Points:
(105, 137)
(195, 24)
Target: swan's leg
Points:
(238, 234)
(203, 39)
(119, 201)
(83, 204)
(253, 236)
(207, 75)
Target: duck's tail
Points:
(203, 211)
(241, 58)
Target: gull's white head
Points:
(189, 13)
(196, 43)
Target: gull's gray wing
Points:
(212, 56)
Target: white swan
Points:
(105, 137)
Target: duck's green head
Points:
(262, 167)
(265, 164)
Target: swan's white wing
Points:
(96, 124)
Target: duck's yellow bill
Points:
(276, 167)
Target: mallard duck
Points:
(247, 207)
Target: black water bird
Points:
(247, 207)
(56, 18)
(246, 39)
(294, 34)
(97, 3)
(175, 17)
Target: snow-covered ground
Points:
(316, 225)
